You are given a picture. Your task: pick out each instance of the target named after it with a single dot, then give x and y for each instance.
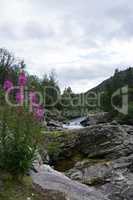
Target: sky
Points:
(83, 40)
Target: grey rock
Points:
(113, 178)
(54, 125)
(106, 161)
(91, 172)
(49, 179)
(98, 141)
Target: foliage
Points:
(7, 66)
(15, 190)
(19, 137)
(126, 119)
(51, 90)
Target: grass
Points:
(56, 134)
(54, 148)
(16, 190)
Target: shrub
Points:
(19, 138)
(126, 119)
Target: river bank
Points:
(99, 156)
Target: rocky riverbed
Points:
(99, 158)
(79, 122)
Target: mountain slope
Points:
(120, 79)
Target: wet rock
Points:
(114, 122)
(86, 122)
(54, 125)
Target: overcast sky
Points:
(83, 40)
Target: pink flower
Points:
(19, 97)
(7, 85)
(39, 113)
(22, 80)
(33, 97)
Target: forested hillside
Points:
(113, 85)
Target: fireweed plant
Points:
(20, 130)
(35, 107)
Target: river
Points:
(75, 123)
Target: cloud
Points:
(7, 31)
(83, 40)
(35, 30)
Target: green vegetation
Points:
(20, 132)
(54, 149)
(95, 181)
(19, 138)
(15, 190)
(108, 87)
(56, 134)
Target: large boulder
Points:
(91, 172)
(59, 145)
(103, 141)
(113, 178)
(61, 187)
(96, 118)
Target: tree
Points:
(116, 71)
(67, 98)
(51, 90)
(6, 58)
(8, 66)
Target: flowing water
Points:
(74, 124)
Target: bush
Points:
(19, 138)
(126, 119)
